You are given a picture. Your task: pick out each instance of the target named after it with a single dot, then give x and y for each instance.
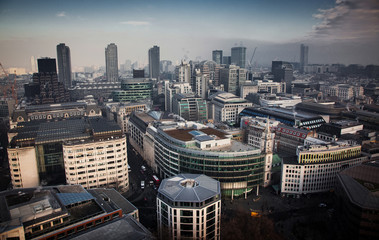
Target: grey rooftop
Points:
(189, 188)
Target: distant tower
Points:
(227, 60)
(33, 64)
(111, 63)
(268, 144)
(303, 57)
(283, 72)
(217, 56)
(64, 65)
(154, 60)
(239, 56)
(47, 65)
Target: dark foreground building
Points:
(357, 192)
(68, 212)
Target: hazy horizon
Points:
(339, 31)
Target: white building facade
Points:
(227, 106)
(189, 207)
(316, 167)
(95, 164)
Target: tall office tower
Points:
(47, 65)
(217, 56)
(138, 73)
(189, 207)
(111, 63)
(45, 87)
(64, 65)
(239, 56)
(227, 60)
(154, 60)
(303, 57)
(283, 72)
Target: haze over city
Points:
(336, 31)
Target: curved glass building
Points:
(183, 149)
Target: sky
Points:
(336, 31)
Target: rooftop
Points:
(189, 188)
(64, 130)
(186, 135)
(103, 194)
(123, 228)
(361, 183)
(51, 107)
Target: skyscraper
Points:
(154, 60)
(33, 64)
(303, 57)
(239, 56)
(227, 60)
(47, 65)
(217, 56)
(64, 65)
(111, 63)
(283, 72)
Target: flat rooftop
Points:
(102, 194)
(185, 135)
(41, 132)
(52, 107)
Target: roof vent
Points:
(189, 183)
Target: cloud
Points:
(136, 23)
(348, 20)
(61, 14)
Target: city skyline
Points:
(336, 31)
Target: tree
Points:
(242, 226)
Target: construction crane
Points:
(251, 60)
(9, 86)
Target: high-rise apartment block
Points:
(183, 72)
(239, 56)
(303, 57)
(217, 56)
(154, 61)
(64, 65)
(111, 62)
(189, 207)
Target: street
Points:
(293, 218)
(144, 199)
